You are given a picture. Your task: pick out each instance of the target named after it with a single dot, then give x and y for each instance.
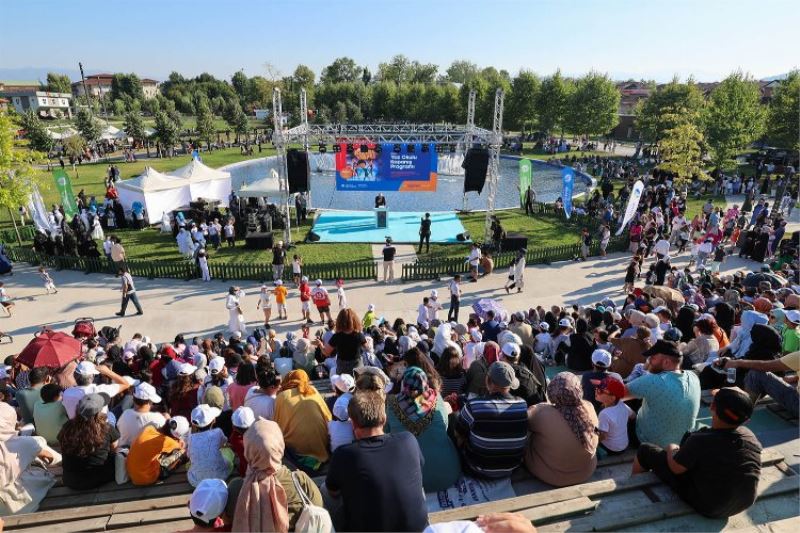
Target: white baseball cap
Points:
(601, 358)
(186, 369)
(511, 349)
(208, 500)
(565, 323)
(237, 335)
(131, 380)
(659, 309)
(86, 368)
(216, 365)
(434, 293)
(179, 426)
(792, 316)
(544, 326)
(243, 417)
(318, 282)
(343, 382)
(278, 282)
(371, 307)
(204, 414)
(145, 391)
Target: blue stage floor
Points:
(403, 227)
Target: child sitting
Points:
(242, 419)
(340, 429)
(207, 447)
(208, 504)
(613, 418)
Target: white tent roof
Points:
(109, 132)
(61, 133)
(196, 171)
(267, 186)
(150, 180)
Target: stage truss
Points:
(462, 137)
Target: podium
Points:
(381, 217)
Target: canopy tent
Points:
(267, 186)
(203, 181)
(61, 133)
(156, 191)
(110, 132)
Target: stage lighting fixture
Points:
(337, 148)
(425, 148)
(349, 148)
(364, 148)
(396, 148)
(452, 148)
(410, 148)
(322, 148)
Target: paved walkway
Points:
(196, 308)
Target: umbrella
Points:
(485, 304)
(673, 297)
(50, 349)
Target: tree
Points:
(461, 71)
(126, 84)
(35, 132)
(18, 176)
(784, 113)
(366, 76)
(236, 118)
(58, 83)
(521, 107)
(74, 146)
(666, 107)
(119, 108)
(134, 126)
(342, 69)
(733, 118)
(205, 123)
(681, 150)
(87, 126)
(551, 103)
(593, 107)
(166, 131)
(340, 115)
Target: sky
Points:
(625, 38)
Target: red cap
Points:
(613, 386)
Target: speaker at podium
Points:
(381, 217)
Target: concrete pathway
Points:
(406, 253)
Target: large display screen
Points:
(386, 167)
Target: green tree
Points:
(552, 101)
(205, 123)
(130, 84)
(593, 105)
(783, 126)
(521, 107)
(342, 69)
(74, 146)
(167, 132)
(35, 132)
(680, 148)
(119, 107)
(17, 172)
(733, 118)
(58, 83)
(87, 126)
(134, 126)
(666, 105)
(462, 71)
(340, 115)
(236, 118)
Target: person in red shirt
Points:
(242, 419)
(305, 299)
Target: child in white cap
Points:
(208, 504)
(242, 418)
(208, 449)
(434, 306)
(265, 304)
(339, 428)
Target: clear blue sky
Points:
(625, 38)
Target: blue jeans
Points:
(130, 297)
(760, 383)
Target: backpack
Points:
(312, 519)
(320, 298)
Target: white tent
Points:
(203, 181)
(61, 133)
(156, 191)
(109, 132)
(266, 186)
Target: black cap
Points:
(733, 405)
(663, 347)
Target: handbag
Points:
(313, 518)
(120, 466)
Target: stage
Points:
(403, 227)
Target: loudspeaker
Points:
(312, 237)
(297, 170)
(476, 163)
(461, 237)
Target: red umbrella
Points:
(52, 349)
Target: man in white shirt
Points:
(455, 298)
(661, 247)
(133, 421)
(128, 292)
(84, 378)
(474, 259)
(422, 311)
(677, 223)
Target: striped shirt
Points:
(496, 431)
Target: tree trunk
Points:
(16, 229)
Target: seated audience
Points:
(134, 420)
(207, 447)
(612, 421)
(49, 414)
(761, 378)
(156, 452)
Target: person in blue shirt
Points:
(491, 328)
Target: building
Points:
(100, 84)
(43, 103)
(3, 104)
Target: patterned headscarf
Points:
(566, 395)
(416, 398)
(298, 379)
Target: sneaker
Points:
(119, 314)
(140, 313)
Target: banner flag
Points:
(525, 178)
(371, 167)
(38, 212)
(633, 205)
(567, 184)
(64, 186)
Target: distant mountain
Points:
(36, 73)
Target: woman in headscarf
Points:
(476, 373)
(420, 410)
(444, 339)
(765, 345)
(268, 499)
(563, 434)
(581, 345)
(23, 483)
(303, 417)
(760, 246)
(741, 342)
(762, 305)
(725, 316)
(236, 321)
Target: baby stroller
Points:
(84, 328)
